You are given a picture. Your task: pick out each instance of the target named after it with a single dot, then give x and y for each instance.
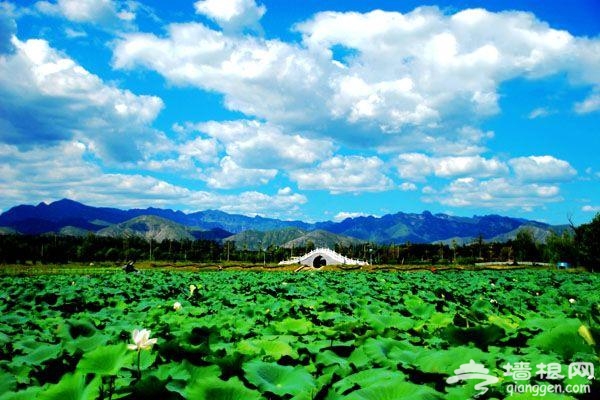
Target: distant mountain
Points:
(321, 238)
(72, 218)
(52, 217)
(288, 238)
(255, 239)
(425, 227)
(148, 227)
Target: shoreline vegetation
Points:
(147, 266)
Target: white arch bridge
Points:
(321, 257)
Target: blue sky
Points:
(303, 110)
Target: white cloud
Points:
(342, 215)
(590, 104)
(539, 112)
(497, 193)
(37, 174)
(231, 175)
(589, 208)
(48, 97)
(408, 187)
(446, 71)
(252, 144)
(417, 166)
(74, 34)
(268, 79)
(234, 15)
(8, 27)
(542, 169)
(204, 151)
(345, 174)
(104, 13)
(454, 64)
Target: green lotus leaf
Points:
(4, 338)
(72, 387)
(278, 379)
(217, 389)
(439, 320)
(86, 344)
(562, 339)
(466, 390)
(42, 353)
(367, 378)
(359, 358)
(398, 389)
(27, 394)
(390, 352)
(272, 348)
(329, 359)
(7, 382)
(172, 370)
(105, 360)
(292, 325)
(417, 307)
(199, 373)
(446, 361)
(380, 322)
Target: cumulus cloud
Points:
(231, 175)
(269, 79)
(232, 15)
(542, 169)
(497, 193)
(345, 174)
(107, 14)
(47, 97)
(409, 81)
(253, 144)
(417, 166)
(444, 64)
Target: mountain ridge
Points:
(390, 228)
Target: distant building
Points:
(321, 257)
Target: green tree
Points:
(561, 247)
(525, 246)
(587, 237)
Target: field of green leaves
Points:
(328, 335)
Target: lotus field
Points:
(325, 335)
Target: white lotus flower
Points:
(192, 289)
(142, 340)
(177, 306)
(572, 301)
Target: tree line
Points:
(577, 246)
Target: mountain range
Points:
(68, 217)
